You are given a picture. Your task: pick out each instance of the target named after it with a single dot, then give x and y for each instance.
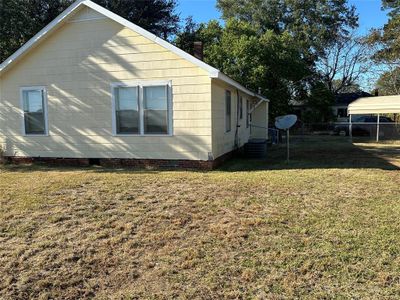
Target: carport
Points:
(374, 106)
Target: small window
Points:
(142, 109)
(155, 102)
(34, 110)
(247, 114)
(127, 110)
(228, 106)
(241, 107)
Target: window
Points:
(228, 106)
(34, 111)
(241, 107)
(127, 110)
(142, 109)
(247, 114)
(155, 100)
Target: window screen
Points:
(127, 110)
(155, 109)
(34, 112)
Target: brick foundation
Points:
(123, 163)
(18, 160)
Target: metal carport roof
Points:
(375, 105)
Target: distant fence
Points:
(360, 130)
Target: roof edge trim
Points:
(213, 72)
(221, 76)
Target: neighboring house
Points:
(92, 85)
(339, 109)
(342, 102)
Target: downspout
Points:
(237, 121)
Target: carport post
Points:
(350, 128)
(377, 127)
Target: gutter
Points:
(221, 76)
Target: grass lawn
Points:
(325, 226)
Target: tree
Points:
(191, 33)
(312, 27)
(344, 63)
(386, 40)
(210, 34)
(272, 44)
(268, 61)
(22, 19)
(314, 24)
(157, 16)
(385, 43)
(389, 83)
(15, 28)
(320, 101)
(392, 4)
(352, 88)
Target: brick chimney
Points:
(198, 50)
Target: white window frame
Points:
(140, 85)
(43, 89)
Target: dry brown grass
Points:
(291, 232)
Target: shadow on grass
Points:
(306, 153)
(42, 167)
(322, 153)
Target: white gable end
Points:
(87, 14)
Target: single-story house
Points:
(339, 107)
(94, 87)
(342, 102)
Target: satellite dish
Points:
(285, 122)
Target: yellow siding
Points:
(77, 64)
(224, 142)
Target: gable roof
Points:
(213, 72)
(347, 98)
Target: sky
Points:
(369, 11)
